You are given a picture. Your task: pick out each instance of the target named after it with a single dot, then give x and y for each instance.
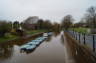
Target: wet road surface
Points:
(50, 51)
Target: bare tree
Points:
(48, 25)
(4, 28)
(67, 22)
(91, 16)
(56, 27)
(16, 25)
(40, 24)
(91, 19)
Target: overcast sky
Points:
(54, 10)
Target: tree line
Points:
(88, 21)
(17, 28)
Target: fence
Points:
(86, 39)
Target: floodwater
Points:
(49, 51)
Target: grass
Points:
(80, 30)
(35, 31)
(8, 37)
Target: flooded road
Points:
(50, 51)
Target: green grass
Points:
(80, 30)
(35, 31)
(8, 37)
(11, 37)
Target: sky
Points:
(54, 10)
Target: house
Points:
(31, 22)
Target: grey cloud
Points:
(47, 9)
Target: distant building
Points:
(32, 20)
(30, 23)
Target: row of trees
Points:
(44, 24)
(4, 27)
(47, 25)
(89, 20)
(67, 22)
(7, 27)
(14, 28)
(90, 17)
(40, 24)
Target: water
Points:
(50, 51)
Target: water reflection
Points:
(30, 51)
(27, 52)
(7, 48)
(49, 39)
(5, 52)
(62, 39)
(56, 34)
(50, 51)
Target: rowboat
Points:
(24, 47)
(49, 33)
(31, 47)
(33, 43)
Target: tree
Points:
(40, 24)
(56, 27)
(4, 28)
(16, 25)
(30, 23)
(47, 25)
(87, 20)
(91, 17)
(67, 22)
(80, 24)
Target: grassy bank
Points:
(80, 30)
(7, 38)
(35, 31)
(12, 37)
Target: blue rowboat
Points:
(24, 47)
(45, 37)
(39, 38)
(49, 33)
(45, 34)
(42, 38)
(36, 40)
(31, 47)
(33, 43)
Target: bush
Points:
(4, 28)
